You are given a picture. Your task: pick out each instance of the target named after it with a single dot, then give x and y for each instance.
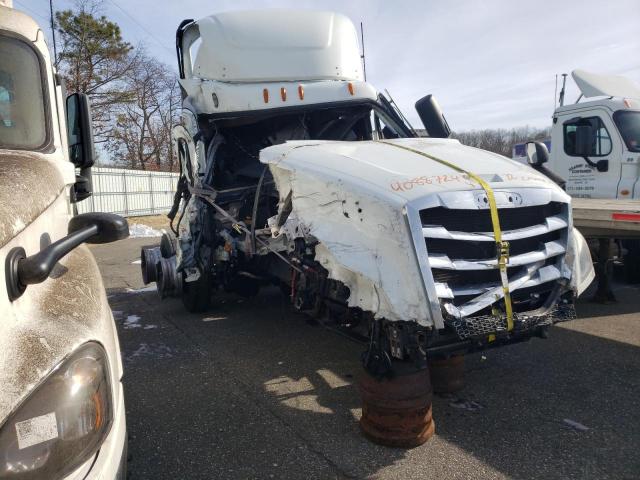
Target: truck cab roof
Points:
(611, 92)
(251, 60)
(611, 104)
(277, 45)
(15, 21)
(598, 85)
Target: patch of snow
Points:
(150, 288)
(575, 425)
(139, 230)
(132, 321)
(154, 350)
(468, 405)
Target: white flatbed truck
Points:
(595, 156)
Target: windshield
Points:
(628, 123)
(22, 107)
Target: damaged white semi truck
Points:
(296, 171)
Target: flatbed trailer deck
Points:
(607, 218)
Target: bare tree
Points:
(141, 137)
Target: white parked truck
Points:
(595, 155)
(595, 143)
(296, 171)
(61, 400)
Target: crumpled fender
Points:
(364, 242)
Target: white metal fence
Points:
(130, 193)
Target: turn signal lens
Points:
(351, 88)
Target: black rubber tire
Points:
(196, 296)
(632, 261)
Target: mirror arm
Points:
(22, 270)
(591, 163)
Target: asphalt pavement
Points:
(252, 389)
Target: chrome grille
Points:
(462, 256)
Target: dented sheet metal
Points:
(353, 199)
(363, 241)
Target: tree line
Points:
(501, 140)
(135, 98)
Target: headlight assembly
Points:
(63, 422)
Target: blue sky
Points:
(490, 63)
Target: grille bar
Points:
(480, 220)
(549, 249)
(535, 274)
(554, 223)
(544, 275)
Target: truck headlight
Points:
(63, 422)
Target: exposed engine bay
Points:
(234, 230)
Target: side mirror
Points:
(21, 271)
(584, 140)
(81, 148)
(79, 131)
(111, 227)
(432, 117)
(537, 156)
(537, 153)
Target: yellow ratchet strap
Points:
(501, 246)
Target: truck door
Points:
(583, 178)
(628, 123)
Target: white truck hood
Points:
(353, 197)
(394, 172)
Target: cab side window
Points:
(599, 138)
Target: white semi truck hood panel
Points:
(351, 197)
(401, 175)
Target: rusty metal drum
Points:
(397, 412)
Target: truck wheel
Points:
(632, 261)
(196, 296)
